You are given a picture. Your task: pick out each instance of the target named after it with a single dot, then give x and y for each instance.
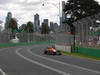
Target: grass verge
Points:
(81, 55)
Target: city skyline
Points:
(24, 10)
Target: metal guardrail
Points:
(23, 44)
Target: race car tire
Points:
(58, 53)
(49, 53)
(45, 52)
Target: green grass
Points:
(81, 55)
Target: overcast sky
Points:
(24, 10)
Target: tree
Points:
(78, 9)
(45, 29)
(13, 24)
(81, 8)
(30, 27)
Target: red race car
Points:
(52, 51)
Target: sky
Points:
(24, 10)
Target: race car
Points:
(52, 51)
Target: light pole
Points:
(69, 19)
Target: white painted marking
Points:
(40, 64)
(67, 64)
(3, 73)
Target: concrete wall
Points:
(63, 48)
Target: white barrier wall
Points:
(63, 48)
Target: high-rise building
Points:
(8, 18)
(45, 27)
(54, 27)
(36, 22)
(51, 26)
(63, 27)
(22, 27)
(1, 22)
(46, 21)
(63, 13)
(1, 25)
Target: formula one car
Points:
(52, 51)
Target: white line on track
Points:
(67, 64)
(40, 64)
(2, 72)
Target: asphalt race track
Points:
(30, 60)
